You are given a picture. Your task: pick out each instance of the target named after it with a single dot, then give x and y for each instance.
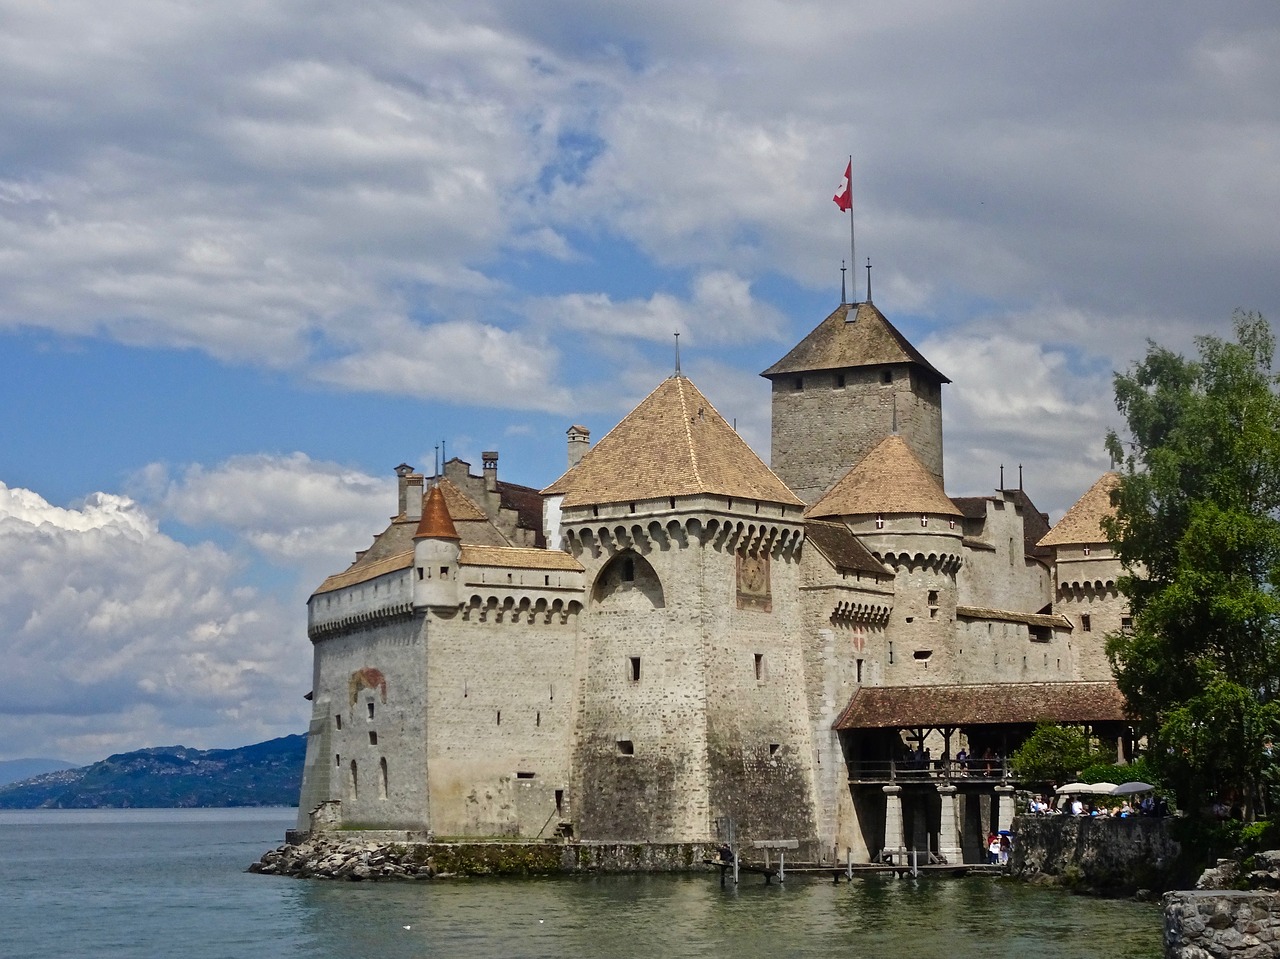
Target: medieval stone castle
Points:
(673, 639)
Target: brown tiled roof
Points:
(1009, 616)
(436, 522)
(986, 704)
(527, 502)
(362, 572)
(972, 507)
(674, 443)
(517, 557)
(461, 506)
(889, 479)
(836, 343)
(843, 550)
(1083, 522)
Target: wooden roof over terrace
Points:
(982, 704)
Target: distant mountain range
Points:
(15, 770)
(264, 774)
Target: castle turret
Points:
(436, 546)
(846, 386)
(900, 513)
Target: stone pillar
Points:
(892, 817)
(948, 830)
(1004, 808)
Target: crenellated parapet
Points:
(1090, 589)
(945, 563)
(514, 609)
(362, 619)
(852, 612)
(723, 533)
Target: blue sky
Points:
(253, 255)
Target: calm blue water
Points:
(161, 883)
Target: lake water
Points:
(171, 883)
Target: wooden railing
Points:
(980, 769)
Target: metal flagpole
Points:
(853, 259)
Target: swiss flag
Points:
(844, 193)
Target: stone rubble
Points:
(1209, 924)
(329, 857)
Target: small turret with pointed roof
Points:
(436, 548)
(854, 380)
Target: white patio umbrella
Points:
(1087, 789)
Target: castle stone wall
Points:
(822, 429)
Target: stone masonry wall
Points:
(1224, 925)
(1105, 855)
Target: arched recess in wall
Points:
(628, 582)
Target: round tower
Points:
(436, 548)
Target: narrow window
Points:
(559, 802)
(626, 747)
(546, 581)
(798, 383)
(595, 511)
(628, 571)
(859, 671)
(537, 718)
(370, 710)
(773, 749)
(337, 720)
(355, 781)
(933, 597)
(444, 572)
(839, 381)
(759, 666)
(499, 717)
(890, 652)
(373, 738)
(1086, 622)
(337, 759)
(673, 502)
(633, 663)
(382, 784)
(421, 575)
(524, 775)
(886, 376)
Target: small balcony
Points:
(990, 769)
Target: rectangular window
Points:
(859, 671)
(773, 749)
(626, 747)
(839, 381)
(370, 710)
(1086, 622)
(797, 384)
(444, 572)
(373, 738)
(633, 668)
(1126, 625)
(759, 666)
(337, 720)
(524, 775)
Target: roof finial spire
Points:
(1001, 476)
(844, 298)
(437, 469)
(678, 354)
(1019, 477)
(868, 279)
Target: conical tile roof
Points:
(1083, 522)
(436, 521)
(889, 479)
(674, 443)
(840, 342)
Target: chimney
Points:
(489, 459)
(413, 497)
(403, 472)
(579, 443)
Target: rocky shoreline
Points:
(326, 857)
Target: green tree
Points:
(1197, 530)
(1052, 754)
